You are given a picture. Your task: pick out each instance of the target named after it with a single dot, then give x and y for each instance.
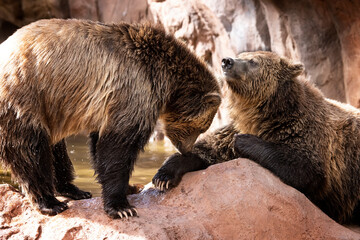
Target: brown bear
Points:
(114, 81)
(287, 126)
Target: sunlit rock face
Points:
(324, 35)
(245, 201)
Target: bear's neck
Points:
(294, 102)
(244, 114)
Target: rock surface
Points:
(234, 200)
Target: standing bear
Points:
(287, 126)
(114, 81)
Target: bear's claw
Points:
(131, 211)
(122, 212)
(126, 213)
(171, 172)
(55, 209)
(161, 185)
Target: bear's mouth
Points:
(232, 76)
(228, 74)
(225, 72)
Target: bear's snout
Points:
(227, 63)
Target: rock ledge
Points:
(234, 200)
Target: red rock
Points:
(129, 10)
(194, 23)
(301, 30)
(347, 22)
(84, 9)
(323, 34)
(234, 200)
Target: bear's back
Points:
(64, 73)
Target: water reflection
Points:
(145, 167)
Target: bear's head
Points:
(258, 75)
(189, 116)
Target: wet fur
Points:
(288, 127)
(63, 77)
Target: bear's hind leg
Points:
(64, 174)
(29, 155)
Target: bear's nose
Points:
(227, 63)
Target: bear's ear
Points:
(296, 69)
(212, 99)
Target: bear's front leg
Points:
(171, 172)
(296, 167)
(251, 146)
(114, 160)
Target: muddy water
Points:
(146, 166)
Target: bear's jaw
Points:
(231, 75)
(234, 85)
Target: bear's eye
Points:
(253, 63)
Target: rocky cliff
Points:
(245, 201)
(323, 34)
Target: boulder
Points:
(233, 200)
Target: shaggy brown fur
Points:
(62, 77)
(309, 142)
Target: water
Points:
(146, 166)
